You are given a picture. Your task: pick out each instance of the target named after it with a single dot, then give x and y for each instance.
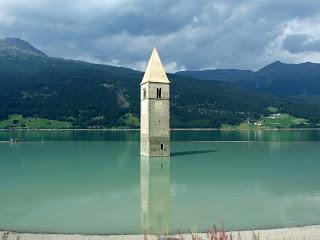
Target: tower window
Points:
(162, 146)
(144, 93)
(158, 92)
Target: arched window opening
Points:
(159, 93)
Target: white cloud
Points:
(189, 34)
(309, 27)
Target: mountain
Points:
(94, 96)
(224, 75)
(275, 78)
(16, 46)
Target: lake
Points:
(96, 181)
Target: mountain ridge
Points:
(16, 44)
(275, 78)
(99, 96)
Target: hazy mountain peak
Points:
(275, 78)
(17, 44)
(272, 65)
(277, 62)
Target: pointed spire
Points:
(155, 71)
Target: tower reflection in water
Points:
(155, 188)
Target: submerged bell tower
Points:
(155, 109)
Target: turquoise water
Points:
(96, 182)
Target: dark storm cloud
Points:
(301, 43)
(189, 34)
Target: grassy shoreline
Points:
(172, 129)
(275, 121)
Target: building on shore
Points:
(155, 110)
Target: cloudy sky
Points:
(189, 34)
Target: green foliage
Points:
(272, 109)
(282, 120)
(18, 121)
(279, 120)
(99, 96)
(129, 121)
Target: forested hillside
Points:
(276, 78)
(95, 96)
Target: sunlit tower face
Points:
(155, 109)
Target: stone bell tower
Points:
(155, 109)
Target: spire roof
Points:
(155, 72)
